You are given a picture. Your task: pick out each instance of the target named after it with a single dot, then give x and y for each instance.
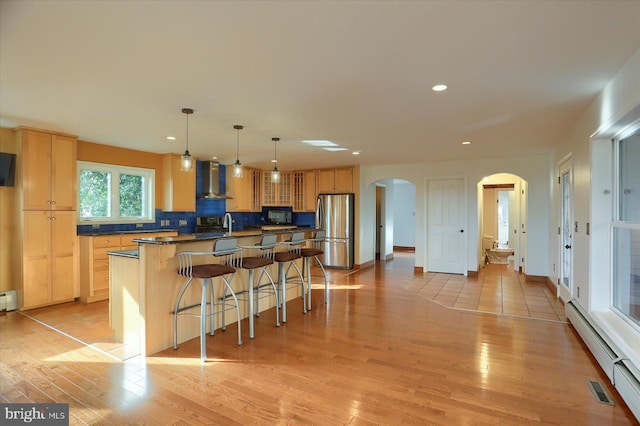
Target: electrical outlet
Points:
(182, 222)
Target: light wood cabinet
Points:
(244, 192)
(179, 186)
(48, 262)
(48, 170)
(336, 180)
(298, 189)
(94, 260)
(304, 190)
(277, 193)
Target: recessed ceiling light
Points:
(334, 149)
(466, 143)
(320, 143)
(171, 138)
(439, 87)
(356, 152)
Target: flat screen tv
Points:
(7, 169)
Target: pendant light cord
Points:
(275, 154)
(238, 144)
(187, 114)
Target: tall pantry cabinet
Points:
(46, 261)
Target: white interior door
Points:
(446, 231)
(566, 231)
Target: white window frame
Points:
(148, 197)
(616, 223)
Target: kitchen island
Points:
(145, 286)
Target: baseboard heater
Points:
(8, 301)
(624, 376)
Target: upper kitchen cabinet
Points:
(47, 170)
(179, 186)
(304, 191)
(337, 180)
(244, 192)
(276, 193)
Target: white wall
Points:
(618, 99)
(404, 214)
(533, 168)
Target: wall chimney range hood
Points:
(211, 181)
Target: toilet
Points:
(499, 255)
(493, 253)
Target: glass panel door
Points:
(566, 232)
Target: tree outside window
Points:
(110, 193)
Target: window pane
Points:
(94, 193)
(131, 190)
(630, 179)
(626, 279)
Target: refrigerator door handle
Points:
(319, 213)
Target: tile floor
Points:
(497, 289)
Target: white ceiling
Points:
(358, 73)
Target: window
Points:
(115, 194)
(626, 228)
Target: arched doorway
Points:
(502, 220)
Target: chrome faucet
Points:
(228, 222)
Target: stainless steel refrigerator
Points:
(335, 214)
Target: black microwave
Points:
(279, 217)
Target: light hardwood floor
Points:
(386, 349)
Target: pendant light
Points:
(186, 161)
(237, 166)
(275, 174)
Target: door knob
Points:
(567, 246)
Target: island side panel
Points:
(125, 316)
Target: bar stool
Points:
(311, 252)
(290, 255)
(251, 263)
(228, 253)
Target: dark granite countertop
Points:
(190, 238)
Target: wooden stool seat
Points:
(310, 252)
(286, 256)
(208, 271)
(255, 262)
